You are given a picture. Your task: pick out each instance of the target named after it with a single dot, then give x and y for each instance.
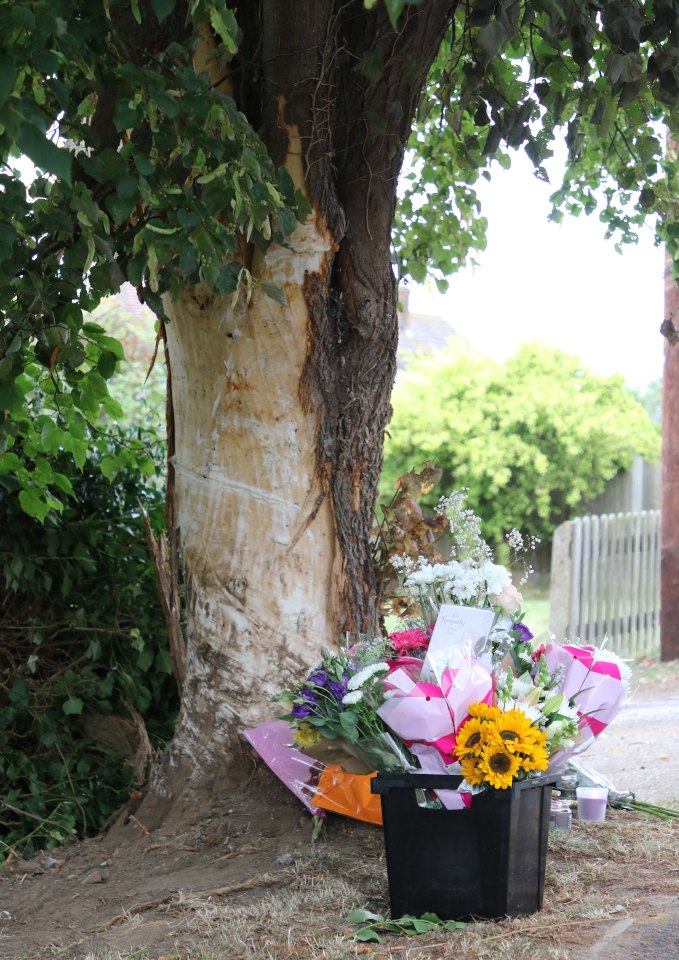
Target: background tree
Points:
(238, 164)
(532, 438)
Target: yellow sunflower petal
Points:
(483, 711)
(499, 766)
(536, 759)
(471, 739)
(472, 772)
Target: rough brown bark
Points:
(669, 578)
(349, 84)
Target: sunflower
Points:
(535, 757)
(499, 766)
(471, 739)
(483, 711)
(515, 731)
(472, 772)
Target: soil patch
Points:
(245, 881)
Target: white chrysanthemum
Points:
(464, 589)
(496, 576)
(421, 578)
(533, 713)
(445, 571)
(352, 697)
(359, 679)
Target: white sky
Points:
(561, 284)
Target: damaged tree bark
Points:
(280, 411)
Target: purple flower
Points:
(524, 633)
(300, 711)
(338, 689)
(309, 695)
(319, 678)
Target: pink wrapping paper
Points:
(594, 681)
(272, 741)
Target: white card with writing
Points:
(455, 628)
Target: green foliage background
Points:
(82, 644)
(531, 439)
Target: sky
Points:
(560, 284)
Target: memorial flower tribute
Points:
(460, 686)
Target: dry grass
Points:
(596, 874)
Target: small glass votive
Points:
(592, 803)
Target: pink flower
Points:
(404, 640)
(509, 600)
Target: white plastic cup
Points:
(592, 803)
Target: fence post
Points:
(560, 581)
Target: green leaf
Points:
(112, 345)
(125, 116)
(134, 5)
(166, 104)
(109, 467)
(8, 75)
(44, 154)
(394, 10)
(33, 504)
(51, 436)
(113, 408)
(9, 463)
(274, 292)
(363, 916)
(162, 8)
(62, 483)
(106, 365)
(368, 935)
(225, 26)
(11, 396)
(72, 706)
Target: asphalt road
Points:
(639, 751)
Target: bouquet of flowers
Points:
(461, 686)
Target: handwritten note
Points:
(455, 627)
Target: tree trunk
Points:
(280, 412)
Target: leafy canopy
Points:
(139, 157)
(531, 439)
(149, 172)
(509, 75)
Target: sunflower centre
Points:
(499, 762)
(509, 735)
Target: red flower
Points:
(404, 640)
(537, 653)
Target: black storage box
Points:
(484, 861)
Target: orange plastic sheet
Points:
(348, 794)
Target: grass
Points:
(536, 607)
(596, 874)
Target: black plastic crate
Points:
(484, 861)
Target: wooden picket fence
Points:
(605, 582)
